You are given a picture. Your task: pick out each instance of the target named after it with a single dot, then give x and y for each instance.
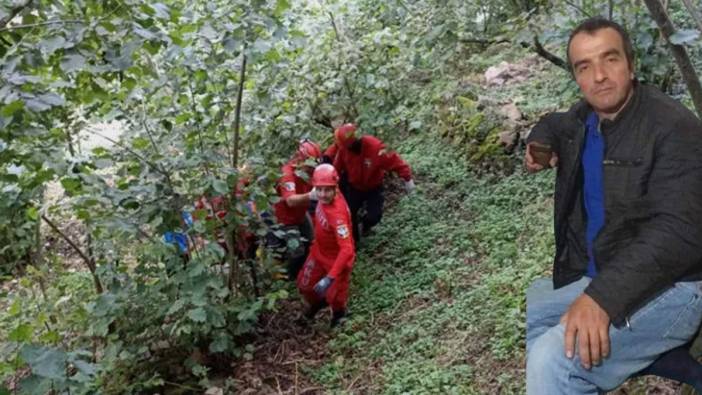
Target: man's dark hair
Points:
(591, 25)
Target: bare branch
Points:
(543, 52)
(237, 113)
(117, 143)
(33, 25)
(482, 42)
(90, 262)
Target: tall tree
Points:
(687, 70)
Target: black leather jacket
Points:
(652, 236)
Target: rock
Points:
(493, 75)
(214, 391)
(511, 111)
(507, 139)
(504, 72)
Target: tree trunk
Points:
(694, 13)
(683, 61)
(237, 114)
(233, 274)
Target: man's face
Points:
(326, 194)
(602, 70)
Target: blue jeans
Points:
(667, 321)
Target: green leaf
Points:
(10, 109)
(140, 143)
(176, 306)
(280, 7)
(52, 99)
(220, 187)
(684, 36)
(32, 213)
(260, 46)
(45, 362)
(23, 333)
(182, 118)
(51, 44)
(36, 105)
(51, 337)
(85, 367)
(71, 63)
(144, 33)
(162, 10)
(197, 314)
(209, 32)
(15, 308)
(221, 343)
(71, 185)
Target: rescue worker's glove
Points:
(409, 186)
(313, 194)
(321, 287)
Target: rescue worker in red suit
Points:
(295, 194)
(325, 277)
(365, 160)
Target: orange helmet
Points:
(325, 175)
(345, 133)
(309, 149)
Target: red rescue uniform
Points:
(331, 152)
(332, 254)
(245, 239)
(366, 170)
(288, 185)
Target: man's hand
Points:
(313, 194)
(589, 323)
(532, 166)
(322, 285)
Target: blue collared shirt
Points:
(593, 192)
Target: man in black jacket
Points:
(628, 224)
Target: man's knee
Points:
(538, 287)
(308, 276)
(549, 371)
(544, 356)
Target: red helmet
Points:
(325, 175)
(344, 133)
(309, 149)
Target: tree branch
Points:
(543, 52)
(237, 113)
(482, 42)
(124, 147)
(90, 262)
(31, 25)
(687, 70)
